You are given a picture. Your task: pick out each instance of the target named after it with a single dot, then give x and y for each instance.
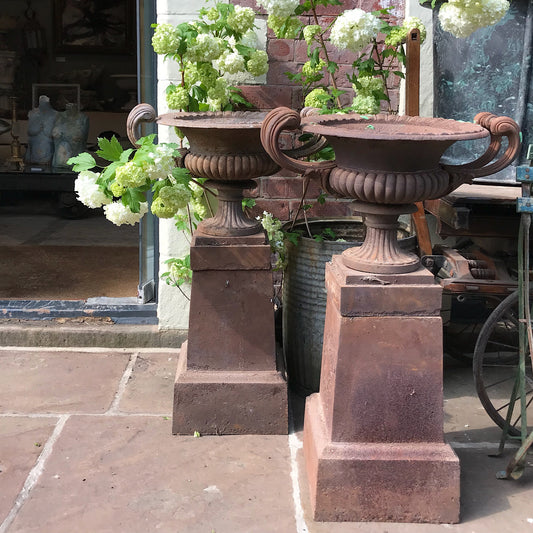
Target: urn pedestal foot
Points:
(378, 481)
(226, 402)
(227, 382)
(373, 435)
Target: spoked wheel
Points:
(495, 365)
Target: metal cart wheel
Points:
(495, 365)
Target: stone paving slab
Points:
(128, 474)
(150, 387)
(21, 442)
(59, 381)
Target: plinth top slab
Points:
(392, 127)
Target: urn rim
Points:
(392, 127)
(241, 120)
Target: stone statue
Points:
(69, 133)
(40, 124)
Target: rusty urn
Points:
(225, 148)
(373, 435)
(386, 163)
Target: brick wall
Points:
(280, 194)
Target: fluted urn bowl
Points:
(386, 163)
(224, 147)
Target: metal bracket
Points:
(524, 174)
(524, 205)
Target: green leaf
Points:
(82, 162)
(292, 237)
(108, 175)
(245, 51)
(125, 155)
(181, 175)
(133, 198)
(248, 203)
(332, 67)
(109, 149)
(329, 233)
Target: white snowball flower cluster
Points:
(463, 17)
(130, 175)
(231, 62)
(279, 8)
(205, 48)
(354, 30)
(218, 95)
(163, 163)
(88, 191)
(166, 39)
(119, 214)
(276, 238)
(241, 19)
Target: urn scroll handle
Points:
(279, 120)
(140, 113)
(485, 165)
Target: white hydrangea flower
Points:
(365, 104)
(279, 8)
(163, 163)
(196, 189)
(231, 62)
(242, 19)
(119, 214)
(205, 47)
(218, 95)
(354, 30)
(88, 191)
(257, 65)
(463, 17)
(310, 32)
(249, 39)
(166, 39)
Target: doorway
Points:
(54, 253)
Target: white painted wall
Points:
(173, 307)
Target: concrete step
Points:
(86, 332)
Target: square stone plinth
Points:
(218, 402)
(378, 482)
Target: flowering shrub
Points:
(462, 17)
(211, 53)
(124, 185)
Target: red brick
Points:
(297, 98)
(276, 72)
(300, 51)
(332, 208)
(281, 187)
(285, 174)
(252, 193)
(280, 49)
(278, 208)
(267, 97)
(335, 10)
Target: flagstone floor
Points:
(86, 447)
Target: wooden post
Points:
(412, 108)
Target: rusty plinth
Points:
(373, 435)
(227, 382)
